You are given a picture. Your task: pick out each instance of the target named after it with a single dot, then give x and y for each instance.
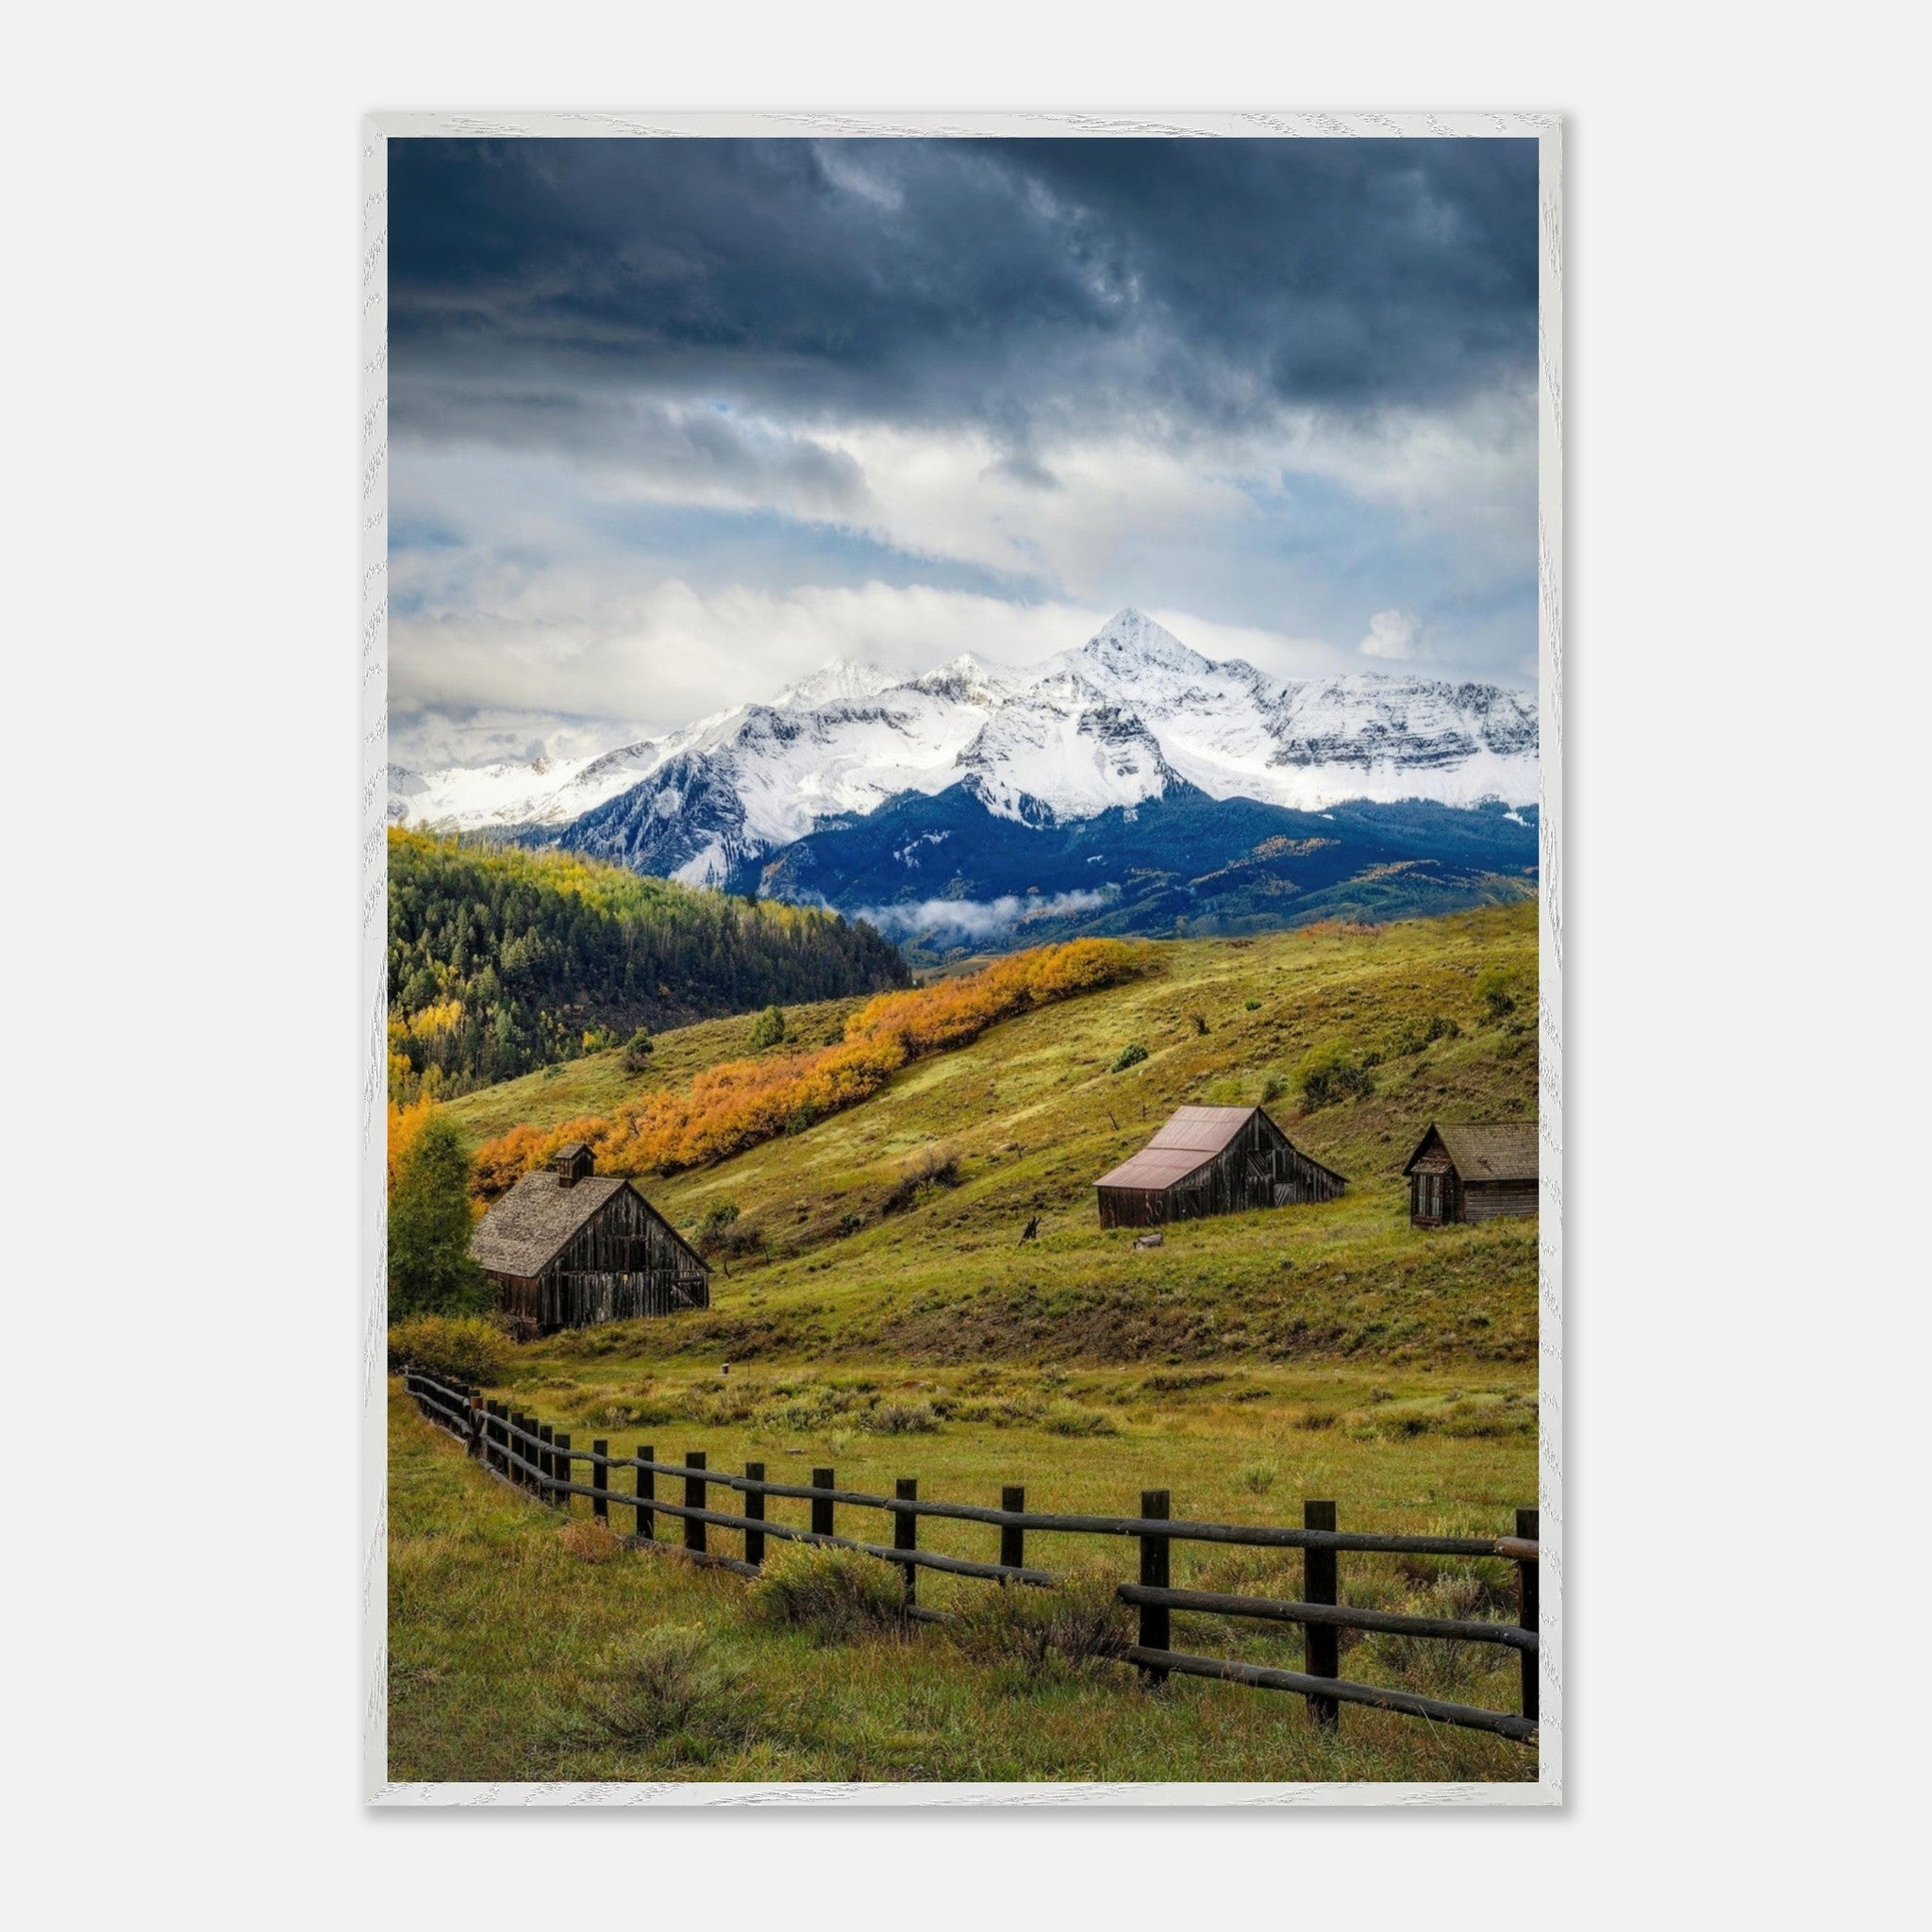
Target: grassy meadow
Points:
(880, 1314)
(522, 1649)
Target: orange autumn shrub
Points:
(500, 1163)
(738, 1104)
(951, 1012)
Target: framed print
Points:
(962, 815)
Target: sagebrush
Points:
(838, 1595)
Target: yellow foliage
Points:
(432, 1023)
(740, 1103)
(405, 1124)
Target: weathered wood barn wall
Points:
(1472, 1172)
(568, 1248)
(1212, 1161)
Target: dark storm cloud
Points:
(674, 422)
(538, 287)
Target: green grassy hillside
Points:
(884, 1318)
(894, 1230)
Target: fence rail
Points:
(534, 1456)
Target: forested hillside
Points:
(502, 960)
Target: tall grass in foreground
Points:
(513, 1659)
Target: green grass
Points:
(1334, 1349)
(512, 1658)
(1030, 1116)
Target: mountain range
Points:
(1096, 790)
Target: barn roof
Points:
(1192, 1138)
(1203, 1130)
(1154, 1168)
(527, 1230)
(1489, 1151)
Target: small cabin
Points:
(567, 1247)
(1472, 1172)
(1212, 1161)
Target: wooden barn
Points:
(1212, 1161)
(567, 1247)
(1472, 1172)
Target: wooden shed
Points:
(1472, 1172)
(567, 1247)
(1212, 1161)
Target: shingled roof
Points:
(1493, 1151)
(527, 1230)
(1192, 1138)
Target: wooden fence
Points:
(535, 1456)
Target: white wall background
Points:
(1745, 409)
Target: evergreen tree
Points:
(430, 1272)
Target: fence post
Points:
(822, 1506)
(648, 1492)
(1012, 1535)
(475, 1444)
(906, 1535)
(546, 1462)
(529, 1467)
(600, 1480)
(1154, 1504)
(561, 1471)
(695, 1499)
(1528, 1612)
(1321, 1642)
(755, 1508)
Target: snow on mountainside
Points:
(1130, 715)
(841, 681)
(1063, 750)
(551, 792)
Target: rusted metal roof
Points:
(1203, 1130)
(530, 1227)
(1485, 1151)
(1155, 1168)
(1191, 1139)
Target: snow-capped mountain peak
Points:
(1128, 642)
(843, 680)
(974, 681)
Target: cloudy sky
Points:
(674, 422)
